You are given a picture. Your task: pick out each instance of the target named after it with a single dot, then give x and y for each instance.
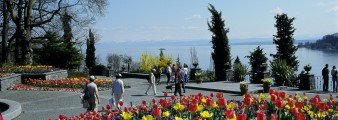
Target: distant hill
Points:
(327, 42)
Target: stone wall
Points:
(7, 81)
(54, 75)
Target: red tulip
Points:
(192, 107)
(209, 102)
(261, 115)
(81, 115)
(294, 111)
(196, 119)
(157, 112)
(153, 100)
(155, 106)
(273, 98)
(165, 94)
(194, 101)
(121, 103)
(273, 117)
(143, 107)
(301, 116)
(108, 106)
(299, 105)
(272, 92)
(279, 103)
(282, 94)
(241, 116)
(211, 94)
(219, 95)
(102, 107)
(247, 101)
(230, 113)
(322, 106)
(222, 102)
(144, 102)
(173, 97)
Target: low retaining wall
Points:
(54, 75)
(135, 75)
(10, 80)
(13, 111)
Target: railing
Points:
(320, 82)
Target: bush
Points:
(240, 71)
(282, 72)
(99, 70)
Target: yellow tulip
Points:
(127, 115)
(321, 115)
(178, 107)
(231, 105)
(148, 117)
(310, 113)
(330, 110)
(200, 108)
(205, 114)
(204, 100)
(179, 118)
(214, 105)
(166, 114)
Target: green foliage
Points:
(99, 70)
(257, 60)
(284, 41)
(90, 51)
(237, 61)
(240, 71)
(178, 63)
(281, 71)
(148, 61)
(205, 75)
(328, 42)
(221, 48)
(55, 52)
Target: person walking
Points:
(117, 90)
(186, 71)
(94, 98)
(168, 73)
(325, 74)
(334, 78)
(182, 78)
(152, 82)
(157, 74)
(178, 83)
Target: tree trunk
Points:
(5, 50)
(26, 44)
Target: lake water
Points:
(316, 58)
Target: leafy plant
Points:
(240, 71)
(282, 72)
(257, 58)
(243, 85)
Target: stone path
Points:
(41, 105)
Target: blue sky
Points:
(139, 20)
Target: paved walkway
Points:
(41, 105)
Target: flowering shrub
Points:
(272, 106)
(266, 81)
(27, 69)
(68, 84)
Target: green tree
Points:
(54, 51)
(90, 51)
(221, 48)
(257, 60)
(178, 62)
(237, 61)
(284, 41)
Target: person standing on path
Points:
(157, 74)
(117, 90)
(94, 98)
(168, 73)
(152, 82)
(178, 83)
(186, 71)
(334, 78)
(325, 74)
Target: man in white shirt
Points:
(94, 95)
(117, 90)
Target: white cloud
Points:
(334, 9)
(196, 16)
(277, 10)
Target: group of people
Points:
(94, 99)
(178, 75)
(334, 74)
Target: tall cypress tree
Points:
(90, 51)
(221, 48)
(284, 41)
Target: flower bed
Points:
(276, 106)
(68, 84)
(29, 69)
